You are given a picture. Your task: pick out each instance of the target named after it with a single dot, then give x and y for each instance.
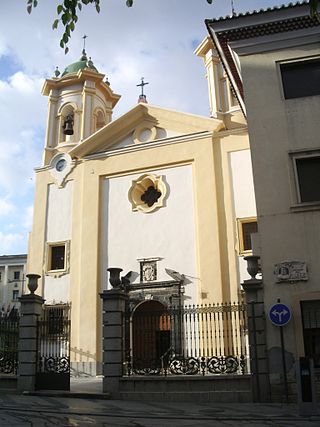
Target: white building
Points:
(12, 280)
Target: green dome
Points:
(80, 65)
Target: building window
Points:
(246, 227)
(300, 78)
(57, 256)
(311, 329)
(16, 275)
(15, 295)
(307, 174)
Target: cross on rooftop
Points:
(142, 84)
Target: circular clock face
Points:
(61, 164)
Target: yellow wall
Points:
(215, 224)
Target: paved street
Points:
(86, 406)
(17, 410)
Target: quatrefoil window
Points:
(150, 196)
(147, 193)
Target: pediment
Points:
(143, 124)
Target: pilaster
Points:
(114, 305)
(31, 309)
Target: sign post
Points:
(280, 315)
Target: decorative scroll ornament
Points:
(184, 366)
(55, 364)
(8, 363)
(291, 271)
(179, 365)
(223, 365)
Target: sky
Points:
(154, 39)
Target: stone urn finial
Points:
(114, 278)
(252, 265)
(33, 282)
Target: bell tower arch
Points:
(80, 103)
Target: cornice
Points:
(154, 144)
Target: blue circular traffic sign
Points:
(279, 314)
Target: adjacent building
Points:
(272, 59)
(12, 281)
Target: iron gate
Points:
(9, 336)
(53, 348)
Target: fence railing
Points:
(193, 340)
(9, 337)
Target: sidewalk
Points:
(86, 402)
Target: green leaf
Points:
(65, 18)
(29, 1)
(72, 26)
(97, 8)
(35, 3)
(59, 9)
(61, 44)
(65, 38)
(66, 50)
(209, 1)
(129, 3)
(55, 24)
(79, 6)
(29, 8)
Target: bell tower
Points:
(80, 103)
(223, 102)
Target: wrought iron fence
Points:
(9, 337)
(193, 340)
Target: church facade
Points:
(165, 196)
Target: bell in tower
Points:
(68, 125)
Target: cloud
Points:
(6, 208)
(21, 132)
(12, 243)
(23, 83)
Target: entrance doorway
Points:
(151, 334)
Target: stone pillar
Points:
(257, 333)
(114, 305)
(31, 309)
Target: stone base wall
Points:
(231, 388)
(8, 382)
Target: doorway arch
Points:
(151, 333)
